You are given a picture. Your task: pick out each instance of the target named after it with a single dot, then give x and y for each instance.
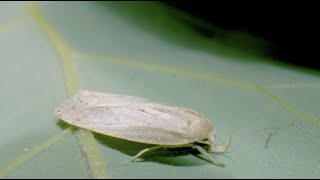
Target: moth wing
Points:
(105, 99)
(139, 120)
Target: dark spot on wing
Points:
(142, 110)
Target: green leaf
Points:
(50, 50)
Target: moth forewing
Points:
(137, 119)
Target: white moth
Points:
(141, 120)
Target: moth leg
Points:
(145, 151)
(204, 142)
(210, 158)
(221, 149)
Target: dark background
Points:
(290, 28)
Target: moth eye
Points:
(73, 107)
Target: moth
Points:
(142, 120)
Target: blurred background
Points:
(287, 32)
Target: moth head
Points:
(208, 143)
(212, 136)
(217, 149)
